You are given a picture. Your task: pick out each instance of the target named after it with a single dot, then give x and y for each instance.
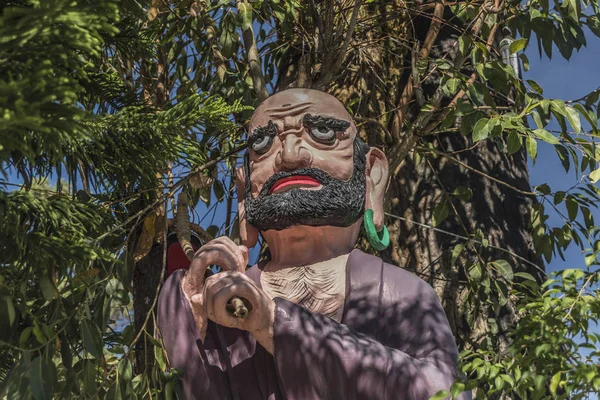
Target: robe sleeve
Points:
(410, 355)
(182, 344)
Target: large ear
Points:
(248, 233)
(377, 174)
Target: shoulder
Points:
(410, 315)
(400, 284)
(395, 283)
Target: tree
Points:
(138, 102)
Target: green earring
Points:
(379, 240)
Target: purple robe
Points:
(393, 342)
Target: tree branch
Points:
(408, 92)
(462, 164)
(341, 53)
(252, 56)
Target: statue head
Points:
(307, 166)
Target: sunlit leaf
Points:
(518, 45)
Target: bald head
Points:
(292, 104)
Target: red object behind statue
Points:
(176, 258)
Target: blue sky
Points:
(566, 80)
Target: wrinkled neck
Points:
(308, 245)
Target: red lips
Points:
(295, 180)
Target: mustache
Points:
(319, 175)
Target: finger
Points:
(241, 253)
(194, 277)
(220, 254)
(214, 284)
(234, 258)
(240, 180)
(240, 288)
(245, 255)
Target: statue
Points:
(325, 320)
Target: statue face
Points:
(305, 165)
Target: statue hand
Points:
(208, 299)
(220, 288)
(222, 252)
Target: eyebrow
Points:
(325, 121)
(268, 130)
(311, 120)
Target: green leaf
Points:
(41, 380)
(574, 120)
(572, 207)
(518, 45)
(535, 86)
(563, 155)
(463, 193)
(88, 376)
(213, 230)
(160, 358)
(92, 338)
(449, 120)
(464, 44)
(525, 61)
(219, 190)
(546, 136)
(475, 272)
(25, 336)
(245, 10)
(573, 8)
(525, 275)
(531, 145)
(595, 175)
(593, 23)
(453, 85)
(508, 379)
(125, 370)
(440, 213)
(442, 394)
(169, 390)
(498, 383)
(11, 310)
(513, 142)
(504, 268)
(481, 130)
(66, 353)
(544, 188)
(456, 253)
(48, 289)
(39, 334)
(540, 385)
(456, 389)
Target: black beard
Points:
(338, 203)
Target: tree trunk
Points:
(500, 213)
(146, 278)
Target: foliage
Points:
(127, 101)
(553, 349)
(66, 266)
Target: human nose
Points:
(293, 154)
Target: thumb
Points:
(245, 255)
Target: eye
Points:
(262, 144)
(323, 134)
